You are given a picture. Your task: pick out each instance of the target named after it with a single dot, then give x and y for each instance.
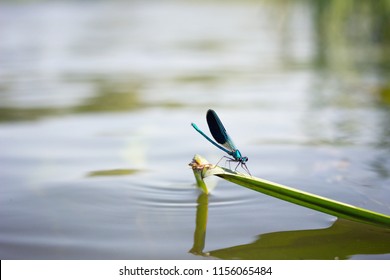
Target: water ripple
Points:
(185, 195)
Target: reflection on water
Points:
(96, 101)
(110, 98)
(201, 225)
(348, 29)
(113, 172)
(340, 241)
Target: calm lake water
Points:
(96, 101)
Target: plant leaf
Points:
(316, 202)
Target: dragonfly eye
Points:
(244, 159)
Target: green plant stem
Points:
(312, 201)
(316, 202)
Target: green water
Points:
(96, 101)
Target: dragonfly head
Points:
(244, 159)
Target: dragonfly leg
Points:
(219, 160)
(243, 165)
(228, 159)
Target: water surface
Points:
(96, 101)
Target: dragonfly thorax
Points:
(237, 156)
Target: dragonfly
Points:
(220, 135)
